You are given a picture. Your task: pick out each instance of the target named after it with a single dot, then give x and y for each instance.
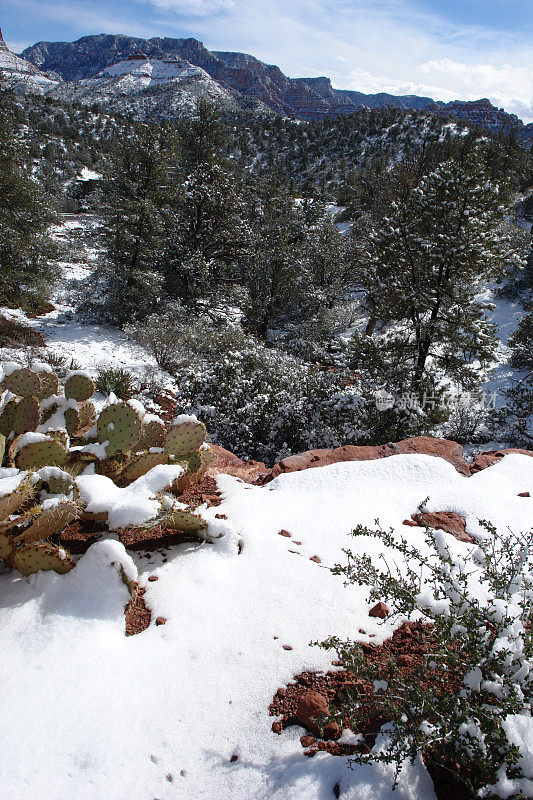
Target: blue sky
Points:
(444, 49)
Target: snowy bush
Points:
(476, 684)
(264, 404)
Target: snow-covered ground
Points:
(91, 346)
(91, 714)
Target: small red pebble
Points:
(221, 516)
(362, 631)
(411, 523)
(284, 533)
(316, 559)
(524, 494)
(277, 727)
(160, 621)
(379, 610)
(276, 637)
(310, 753)
(337, 663)
(281, 692)
(295, 542)
(307, 741)
(234, 758)
(287, 647)
(152, 578)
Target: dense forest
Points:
(307, 284)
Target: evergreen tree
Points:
(137, 192)
(26, 249)
(423, 264)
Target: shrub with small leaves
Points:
(479, 608)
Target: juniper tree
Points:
(425, 262)
(26, 249)
(137, 190)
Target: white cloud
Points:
(199, 8)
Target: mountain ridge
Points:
(302, 98)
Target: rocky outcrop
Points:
(262, 84)
(229, 464)
(450, 451)
(490, 457)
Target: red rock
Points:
(411, 523)
(316, 559)
(152, 578)
(234, 758)
(160, 621)
(281, 692)
(405, 660)
(277, 727)
(283, 533)
(524, 494)
(307, 741)
(379, 610)
(229, 464)
(491, 457)
(447, 521)
(442, 448)
(287, 647)
(311, 707)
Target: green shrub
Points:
(117, 380)
(479, 609)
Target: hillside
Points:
(265, 84)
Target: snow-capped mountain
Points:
(17, 73)
(147, 85)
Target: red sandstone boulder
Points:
(491, 457)
(229, 464)
(447, 521)
(311, 709)
(450, 451)
(380, 610)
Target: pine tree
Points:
(423, 264)
(26, 249)
(137, 192)
(206, 227)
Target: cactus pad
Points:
(10, 503)
(6, 546)
(41, 454)
(152, 435)
(79, 387)
(7, 422)
(31, 558)
(48, 521)
(140, 464)
(185, 520)
(49, 385)
(119, 424)
(184, 438)
(2, 447)
(26, 415)
(23, 382)
(81, 419)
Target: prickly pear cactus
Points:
(49, 519)
(184, 438)
(35, 455)
(49, 385)
(79, 387)
(31, 558)
(25, 415)
(10, 503)
(140, 464)
(23, 382)
(81, 419)
(186, 520)
(120, 425)
(7, 421)
(152, 435)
